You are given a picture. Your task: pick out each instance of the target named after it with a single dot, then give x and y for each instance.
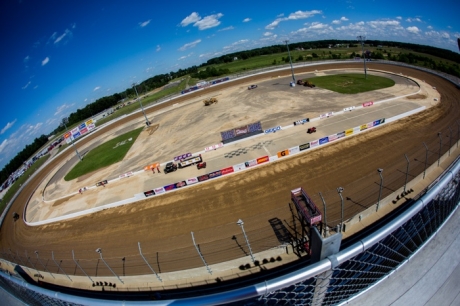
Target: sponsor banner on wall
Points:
(239, 167)
(227, 170)
(341, 134)
(149, 193)
(159, 190)
(323, 140)
(181, 184)
(348, 109)
(348, 132)
(273, 129)
(74, 130)
(301, 121)
(76, 134)
(250, 163)
(183, 156)
(273, 158)
(215, 174)
(326, 115)
(363, 127)
(127, 174)
(84, 131)
(376, 122)
(356, 129)
(214, 147)
(89, 122)
(366, 104)
(67, 135)
(262, 159)
(191, 181)
(304, 146)
(203, 178)
(314, 143)
(283, 153)
(169, 187)
(294, 150)
(370, 124)
(382, 120)
(91, 126)
(333, 137)
(82, 126)
(241, 130)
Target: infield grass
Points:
(105, 155)
(351, 83)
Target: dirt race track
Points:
(258, 196)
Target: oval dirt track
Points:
(256, 196)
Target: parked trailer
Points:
(190, 161)
(306, 206)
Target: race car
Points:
(252, 87)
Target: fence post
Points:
(73, 256)
(36, 253)
(140, 252)
(98, 250)
(59, 267)
(199, 253)
(407, 173)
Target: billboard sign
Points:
(304, 146)
(314, 143)
(149, 193)
(159, 190)
(283, 153)
(191, 181)
(302, 121)
(250, 163)
(366, 104)
(323, 140)
(273, 129)
(183, 156)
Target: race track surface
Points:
(260, 196)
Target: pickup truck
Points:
(170, 167)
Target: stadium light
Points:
(290, 61)
(361, 39)
(380, 170)
(440, 146)
(147, 122)
(339, 191)
(241, 223)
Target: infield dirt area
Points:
(259, 196)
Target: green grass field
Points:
(352, 83)
(105, 155)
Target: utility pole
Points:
(290, 61)
(361, 39)
(147, 122)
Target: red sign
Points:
(365, 104)
(241, 130)
(263, 159)
(227, 170)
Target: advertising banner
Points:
(82, 126)
(180, 184)
(241, 130)
(356, 129)
(363, 127)
(159, 190)
(366, 104)
(89, 122)
(273, 158)
(348, 132)
(341, 134)
(214, 147)
(74, 131)
(302, 121)
(84, 130)
(323, 140)
(348, 109)
(254, 127)
(262, 159)
(376, 122)
(250, 163)
(333, 137)
(272, 130)
(227, 134)
(283, 153)
(127, 174)
(370, 124)
(227, 170)
(149, 193)
(382, 120)
(191, 181)
(314, 143)
(183, 156)
(214, 174)
(304, 146)
(239, 167)
(76, 134)
(169, 187)
(67, 135)
(326, 115)
(203, 178)
(91, 126)
(294, 150)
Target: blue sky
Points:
(57, 56)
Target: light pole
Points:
(147, 122)
(361, 39)
(407, 173)
(98, 250)
(241, 223)
(440, 145)
(340, 190)
(65, 121)
(380, 170)
(290, 61)
(426, 159)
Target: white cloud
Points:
(145, 23)
(62, 108)
(336, 21)
(268, 34)
(429, 27)
(383, 23)
(97, 88)
(8, 126)
(26, 59)
(27, 85)
(45, 61)
(227, 29)
(293, 16)
(190, 45)
(208, 22)
(413, 19)
(399, 18)
(280, 15)
(158, 48)
(414, 30)
(344, 19)
(3, 145)
(247, 19)
(194, 17)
